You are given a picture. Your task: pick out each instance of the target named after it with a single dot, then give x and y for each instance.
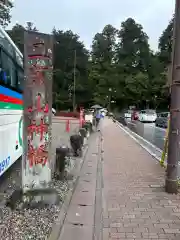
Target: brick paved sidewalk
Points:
(132, 208)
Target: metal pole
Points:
(171, 184)
(110, 102)
(74, 83)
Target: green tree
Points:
(5, 15)
(17, 35)
(30, 27)
(136, 88)
(68, 46)
(120, 68)
(132, 59)
(103, 73)
(104, 44)
(165, 49)
(133, 49)
(165, 44)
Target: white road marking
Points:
(162, 129)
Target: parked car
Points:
(147, 115)
(135, 115)
(162, 119)
(53, 111)
(89, 117)
(128, 114)
(104, 110)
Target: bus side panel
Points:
(10, 149)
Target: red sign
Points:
(81, 117)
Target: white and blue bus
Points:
(11, 102)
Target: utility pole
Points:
(74, 83)
(110, 95)
(171, 184)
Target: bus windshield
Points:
(11, 63)
(11, 103)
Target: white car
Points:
(105, 111)
(53, 111)
(128, 114)
(147, 115)
(89, 118)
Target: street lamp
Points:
(109, 103)
(74, 83)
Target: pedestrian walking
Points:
(98, 117)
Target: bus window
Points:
(1, 75)
(6, 69)
(20, 80)
(1, 70)
(9, 71)
(13, 74)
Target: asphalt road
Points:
(148, 131)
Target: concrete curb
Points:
(57, 226)
(98, 214)
(130, 134)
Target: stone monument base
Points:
(37, 198)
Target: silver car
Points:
(162, 119)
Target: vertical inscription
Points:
(37, 108)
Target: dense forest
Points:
(120, 70)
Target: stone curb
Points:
(57, 226)
(98, 215)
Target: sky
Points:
(87, 17)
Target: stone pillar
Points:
(37, 116)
